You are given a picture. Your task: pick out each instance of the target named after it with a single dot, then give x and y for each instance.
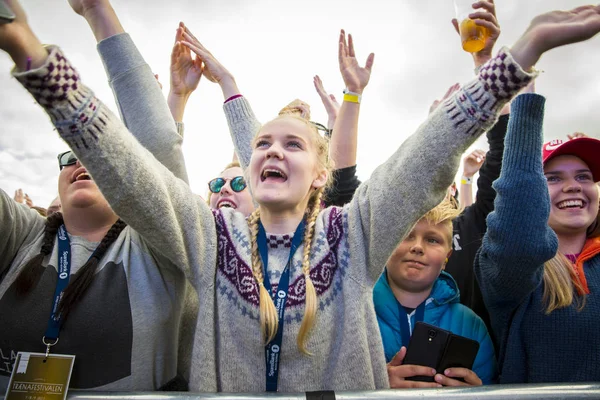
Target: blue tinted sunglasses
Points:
(237, 184)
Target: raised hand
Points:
(28, 201)
(19, 196)
(449, 93)
(554, 29)
(397, 373)
(447, 379)
(473, 162)
(158, 81)
(213, 69)
(19, 41)
(185, 70)
(485, 17)
(355, 77)
(577, 135)
(81, 7)
(329, 101)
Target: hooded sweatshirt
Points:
(442, 309)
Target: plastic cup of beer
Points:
(472, 36)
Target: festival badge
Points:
(38, 376)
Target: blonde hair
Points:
(297, 107)
(560, 279)
(444, 213)
(268, 314)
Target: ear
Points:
(320, 180)
(447, 258)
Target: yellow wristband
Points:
(466, 181)
(351, 98)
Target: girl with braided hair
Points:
(320, 313)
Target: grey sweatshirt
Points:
(120, 342)
(350, 245)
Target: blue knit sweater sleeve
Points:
(518, 240)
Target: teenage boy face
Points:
(419, 259)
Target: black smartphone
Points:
(6, 14)
(439, 349)
(460, 352)
(426, 347)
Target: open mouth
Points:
(570, 204)
(273, 174)
(81, 175)
(226, 203)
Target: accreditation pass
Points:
(37, 377)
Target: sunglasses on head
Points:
(65, 159)
(237, 184)
(322, 128)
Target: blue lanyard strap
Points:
(405, 330)
(64, 272)
(273, 348)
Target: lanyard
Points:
(405, 330)
(273, 348)
(64, 272)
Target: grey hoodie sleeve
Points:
(141, 103)
(19, 227)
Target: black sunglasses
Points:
(237, 184)
(65, 159)
(320, 127)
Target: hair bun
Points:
(297, 107)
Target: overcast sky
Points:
(274, 48)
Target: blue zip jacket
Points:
(442, 309)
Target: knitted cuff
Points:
(236, 109)
(71, 106)
(475, 107)
(503, 76)
(50, 83)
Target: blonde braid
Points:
(268, 313)
(310, 298)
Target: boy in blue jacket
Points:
(414, 288)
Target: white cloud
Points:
(274, 48)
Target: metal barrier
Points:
(490, 392)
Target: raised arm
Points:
(332, 107)
(518, 239)
(185, 76)
(472, 162)
(139, 99)
(182, 227)
(425, 164)
(242, 122)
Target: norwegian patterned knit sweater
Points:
(535, 347)
(350, 245)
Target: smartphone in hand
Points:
(6, 14)
(439, 349)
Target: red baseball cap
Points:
(588, 149)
